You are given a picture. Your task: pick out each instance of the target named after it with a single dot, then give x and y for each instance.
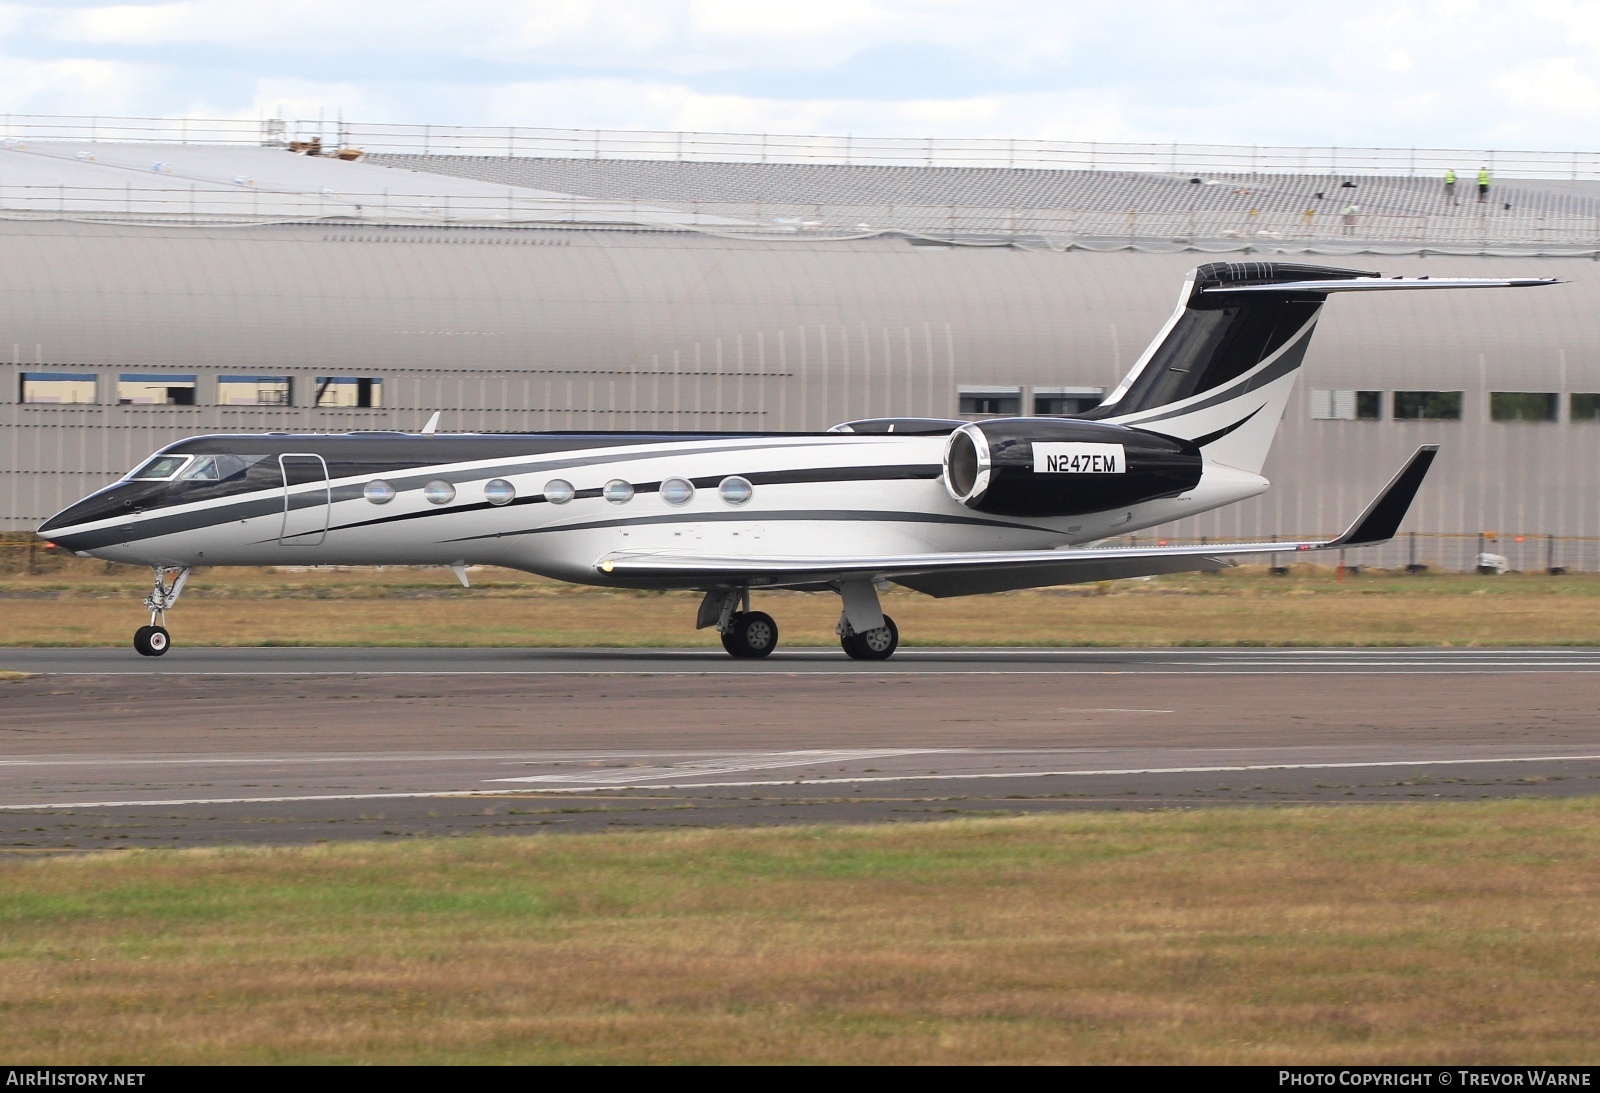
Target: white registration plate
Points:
(1079, 459)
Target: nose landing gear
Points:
(153, 640)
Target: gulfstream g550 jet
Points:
(949, 508)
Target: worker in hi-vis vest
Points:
(1483, 184)
(1450, 185)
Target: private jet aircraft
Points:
(945, 507)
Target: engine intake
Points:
(1033, 466)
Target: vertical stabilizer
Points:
(1220, 371)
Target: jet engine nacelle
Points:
(1032, 466)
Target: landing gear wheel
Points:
(151, 641)
(751, 634)
(878, 644)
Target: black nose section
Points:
(122, 500)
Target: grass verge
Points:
(90, 604)
(1419, 934)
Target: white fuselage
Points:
(818, 495)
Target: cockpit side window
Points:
(203, 469)
(218, 468)
(160, 468)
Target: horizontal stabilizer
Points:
(1384, 284)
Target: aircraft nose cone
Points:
(66, 518)
(118, 501)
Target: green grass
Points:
(1429, 933)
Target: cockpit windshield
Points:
(160, 468)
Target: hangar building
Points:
(168, 278)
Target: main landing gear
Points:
(750, 634)
(865, 632)
(746, 634)
(876, 644)
(153, 640)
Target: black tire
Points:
(141, 641)
(157, 641)
(752, 634)
(878, 644)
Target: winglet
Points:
(1382, 518)
(432, 426)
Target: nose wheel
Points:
(153, 640)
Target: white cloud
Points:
(1410, 72)
(1554, 85)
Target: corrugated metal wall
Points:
(508, 329)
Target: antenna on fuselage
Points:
(433, 424)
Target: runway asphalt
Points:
(102, 748)
(936, 661)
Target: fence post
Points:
(1550, 558)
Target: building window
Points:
(154, 389)
(992, 401)
(1066, 401)
(72, 388)
(1347, 405)
(255, 391)
(1586, 406)
(349, 391)
(1427, 405)
(1523, 405)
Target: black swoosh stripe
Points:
(1289, 360)
(150, 527)
(251, 505)
(1202, 441)
(761, 478)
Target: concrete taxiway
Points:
(101, 748)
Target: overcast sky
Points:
(1449, 73)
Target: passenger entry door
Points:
(306, 499)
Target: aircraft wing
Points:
(964, 573)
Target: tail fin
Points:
(1221, 370)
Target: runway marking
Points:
(439, 757)
(1121, 772)
(525, 790)
(728, 765)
